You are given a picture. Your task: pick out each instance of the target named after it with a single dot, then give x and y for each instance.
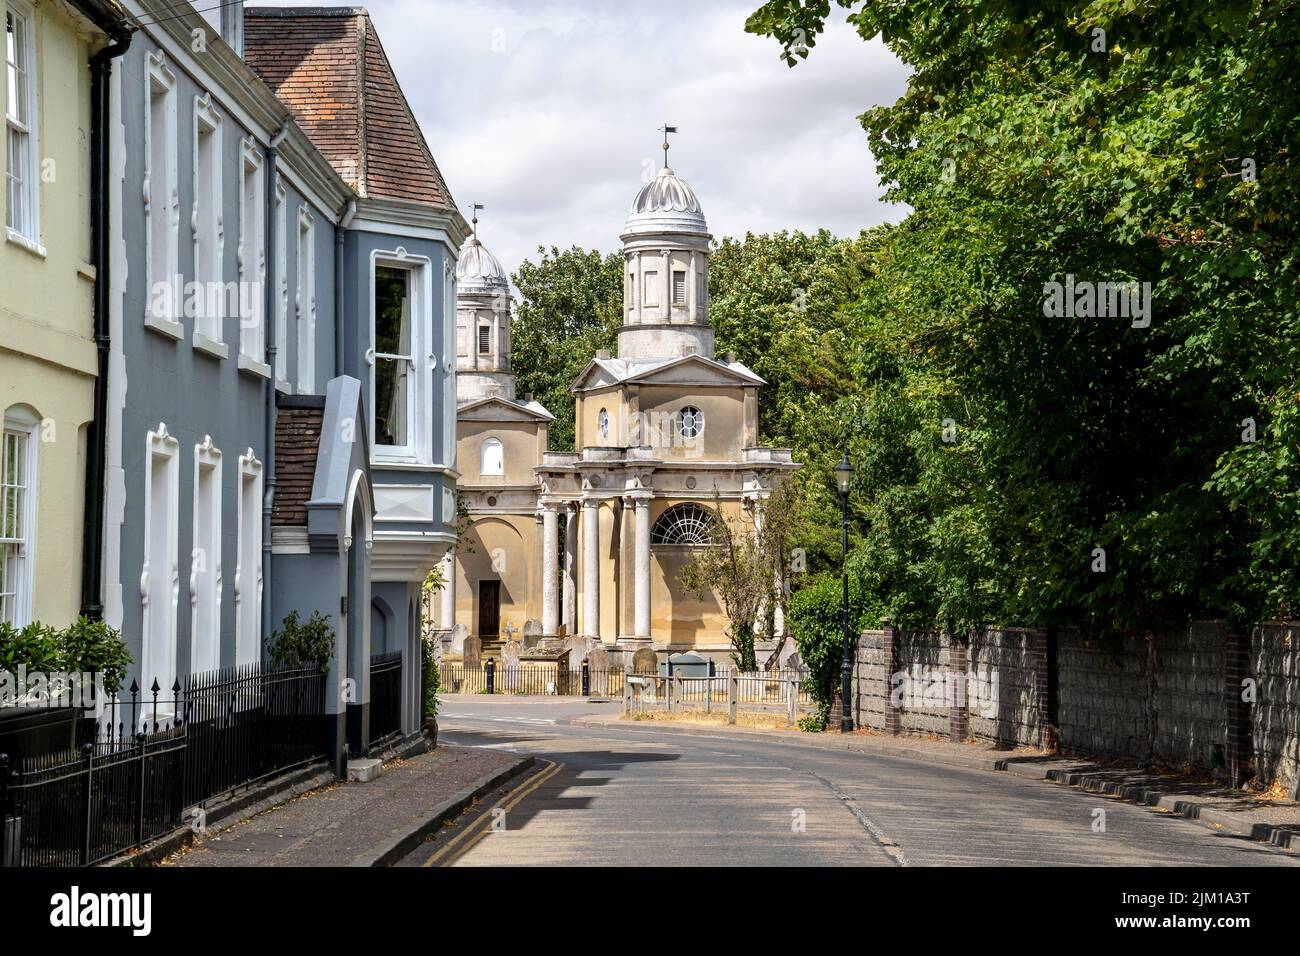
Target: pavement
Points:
(644, 793)
(360, 824)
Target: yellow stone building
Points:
(48, 363)
(666, 432)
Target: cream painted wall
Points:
(520, 445)
(47, 353)
(505, 548)
(727, 420)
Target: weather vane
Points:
(474, 221)
(666, 129)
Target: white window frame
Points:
(697, 422)
(492, 443)
(161, 200)
(252, 259)
(305, 301)
(411, 357)
(24, 226)
(448, 363)
(208, 230)
(160, 573)
(23, 426)
(205, 565)
(281, 371)
(248, 561)
(419, 448)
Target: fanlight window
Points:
(688, 524)
(690, 422)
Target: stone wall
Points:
(1174, 700)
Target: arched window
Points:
(602, 422)
(491, 461)
(690, 422)
(688, 524)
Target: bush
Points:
(297, 644)
(815, 620)
(432, 679)
(86, 646)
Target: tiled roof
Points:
(328, 66)
(297, 444)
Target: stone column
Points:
(550, 550)
(568, 603)
(591, 568)
(641, 582)
(447, 610)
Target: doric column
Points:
(447, 611)
(568, 603)
(550, 583)
(641, 584)
(591, 568)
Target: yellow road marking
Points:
(483, 824)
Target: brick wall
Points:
(1274, 656)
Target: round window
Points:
(690, 422)
(602, 422)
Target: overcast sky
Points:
(546, 112)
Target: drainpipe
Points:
(338, 284)
(268, 309)
(92, 544)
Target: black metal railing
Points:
(250, 722)
(77, 809)
(148, 758)
(529, 679)
(385, 696)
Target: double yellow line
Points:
(469, 838)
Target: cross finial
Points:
(666, 129)
(474, 221)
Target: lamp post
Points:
(843, 475)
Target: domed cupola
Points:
(666, 204)
(665, 272)
(478, 271)
(482, 323)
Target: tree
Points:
(571, 306)
(1034, 465)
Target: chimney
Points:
(232, 25)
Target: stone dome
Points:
(666, 204)
(477, 270)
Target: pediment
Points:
(501, 410)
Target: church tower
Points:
(666, 273)
(482, 325)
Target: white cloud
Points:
(546, 112)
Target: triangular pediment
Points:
(502, 410)
(688, 370)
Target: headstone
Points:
(510, 654)
(686, 665)
(458, 635)
(532, 632)
(598, 659)
(644, 661)
(472, 653)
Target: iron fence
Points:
(385, 696)
(146, 759)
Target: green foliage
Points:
(432, 678)
(571, 306)
(297, 644)
(94, 647)
(1031, 148)
(815, 618)
(84, 647)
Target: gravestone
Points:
(532, 632)
(458, 635)
(472, 653)
(598, 659)
(686, 665)
(510, 651)
(644, 661)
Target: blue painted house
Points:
(281, 411)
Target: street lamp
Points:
(843, 475)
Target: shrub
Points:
(86, 646)
(296, 644)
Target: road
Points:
(645, 796)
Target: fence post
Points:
(794, 698)
(708, 695)
(627, 698)
(676, 691)
(87, 759)
(4, 809)
(732, 693)
(489, 670)
(586, 678)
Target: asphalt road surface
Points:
(645, 796)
